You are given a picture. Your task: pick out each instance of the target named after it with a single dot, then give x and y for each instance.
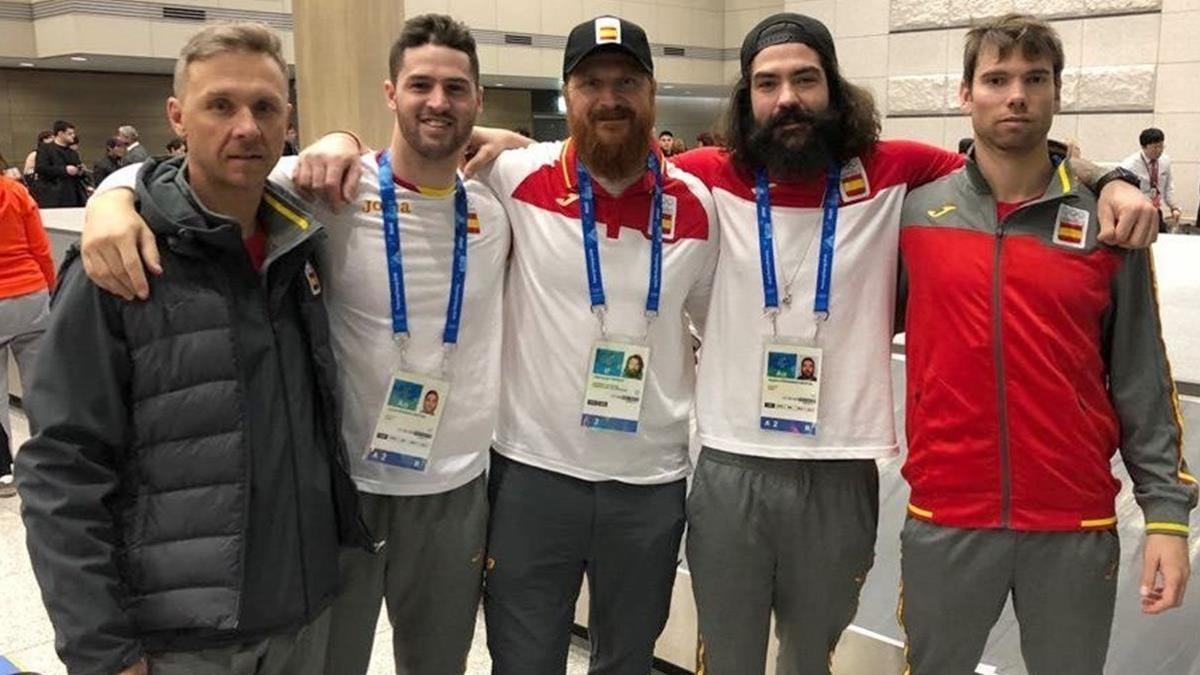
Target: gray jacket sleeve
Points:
(1143, 393)
(68, 477)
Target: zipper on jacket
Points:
(1001, 393)
(231, 296)
(265, 291)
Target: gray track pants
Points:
(22, 321)
(796, 537)
(955, 584)
(547, 530)
(430, 578)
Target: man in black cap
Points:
(784, 504)
(588, 469)
(588, 473)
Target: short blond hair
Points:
(241, 36)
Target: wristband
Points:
(1120, 173)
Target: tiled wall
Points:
(1125, 72)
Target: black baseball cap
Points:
(607, 33)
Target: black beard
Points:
(772, 147)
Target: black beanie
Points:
(787, 27)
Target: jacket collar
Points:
(1062, 184)
(283, 218)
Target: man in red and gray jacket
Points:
(1034, 353)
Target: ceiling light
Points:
(499, 84)
(79, 58)
(26, 64)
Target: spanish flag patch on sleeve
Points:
(854, 181)
(473, 223)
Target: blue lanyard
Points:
(591, 247)
(391, 236)
(766, 242)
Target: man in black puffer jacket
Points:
(186, 495)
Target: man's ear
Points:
(175, 116)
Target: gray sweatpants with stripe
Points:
(793, 537)
(956, 581)
(429, 576)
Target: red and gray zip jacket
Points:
(1033, 352)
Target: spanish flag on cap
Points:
(608, 29)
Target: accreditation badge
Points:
(409, 421)
(616, 378)
(791, 387)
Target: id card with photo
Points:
(409, 421)
(791, 387)
(615, 379)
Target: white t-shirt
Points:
(856, 419)
(550, 328)
(354, 268)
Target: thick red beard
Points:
(612, 161)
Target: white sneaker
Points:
(7, 488)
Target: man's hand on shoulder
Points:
(1127, 218)
(329, 169)
(485, 146)
(115, 243)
